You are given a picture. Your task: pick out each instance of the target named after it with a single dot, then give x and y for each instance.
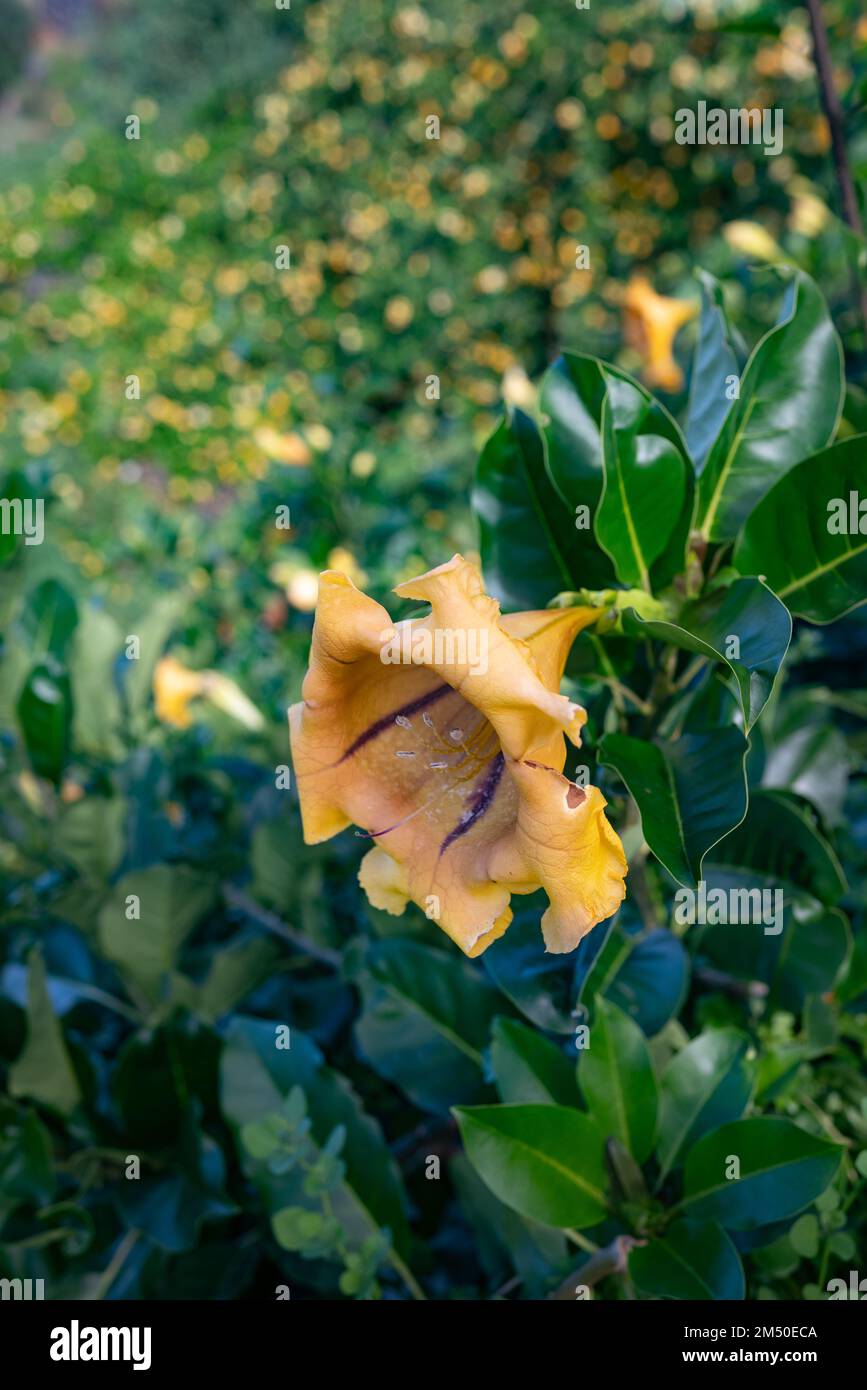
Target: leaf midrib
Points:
(568, 1173)
(805, 579)
(756, 1173)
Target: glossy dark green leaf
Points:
(645, 484)
(426, 1022)
(505, 1241)
(542, 986)
(644, 974)
(527, 536)
(790, 399)
(571, 400)
(819, 574)
(527, 1066)
(743, 625)
(20, 514)
(27, 1169)
(718, 354)
(616, 1077)
(807, 754)
(689, 791)
(45, 717)
(570, 404)
(43, 1070)
(808, 957)
(544, 1161)
(256, 1076)
(169, 1210)
(790, 943)
(705, 1085)
(779, 840)
(692, 1260)
(50, 618)
(161, 1074)
(782, 1169)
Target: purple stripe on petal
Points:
(374, 730)
(485, 791)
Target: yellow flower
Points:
(176, 686)
(652, 324)
(752, 239)
(443, 738)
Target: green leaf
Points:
(504, 1240)
(705, 1085)
(692, 1260)
(165, 902)
(617, 1081)
(808, 956)
(153, 631)
(426, 1022)
(170, 1210)
(689, 791)
(96, 699)
(527, 537)
(49, 619)
(818, 574)
(645, 484)
(43, 1070)
(90, 834)
(27, 1169)
(808, 756)
(778, 840)
(790, 399)
(256, 1077)
(544, 1161)
(570, 404)
(541, 985)
(646, 975)
(747, 611)
(234, 973)
(782, 1170)
(528, 1067)
(17, 487)
(717, 355)
(804, 1235)
(45, 718)
(800, 955)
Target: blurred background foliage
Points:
(309, 387)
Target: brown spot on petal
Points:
(575, 796)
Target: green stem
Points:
(116, 1263)
(407, 1276)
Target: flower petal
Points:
(509, 691)
(563, 843)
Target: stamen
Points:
(437, 766)
(427, 719)
(456, 734)
(403, 753)
(404, 723)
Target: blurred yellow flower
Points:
(809, 215)
(176, 686)
(282, 448)
(652, 324)
(751, 239)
